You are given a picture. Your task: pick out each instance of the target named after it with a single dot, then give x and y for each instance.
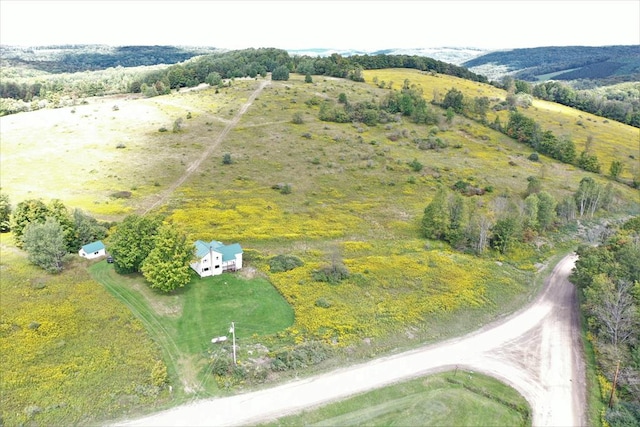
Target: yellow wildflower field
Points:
(70, 351)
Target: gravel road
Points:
(536, 350)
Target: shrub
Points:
(534, 157)
(121, 195)
(162, 129)
(300, 356)
(226, 159)
(159, 376)
(415, 165)
(284, 262)
(314, 100)
(121, 145)
(297, 118)
(282, 187)
(332, 274)
(323, 303)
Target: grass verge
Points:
(452, 398)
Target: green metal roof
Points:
(228, 252)
(93, 247)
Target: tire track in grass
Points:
(194, 166)
(143, 313)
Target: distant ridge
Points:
(452, 55)
(613, 63)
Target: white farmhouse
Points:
(92, 250)
(214, 258)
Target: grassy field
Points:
(611, 140)
(354, 200)
(71, 353)
(185, 322)
(452, 398)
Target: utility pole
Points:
(233, 332)
(613, 387)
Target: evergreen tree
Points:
(505, 232)
(166, 267)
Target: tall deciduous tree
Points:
(546, 210)
(132, 242)
(280, 73)
(505, 232)
(60, 212)
(611, 304)
(27, 211)
(589, 196)
(45, 244)
(166, 267)
(5, 213)
(435, 221)
(454, 99)
(86, 229)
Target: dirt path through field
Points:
(536, 350)
(163, 196)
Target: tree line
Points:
(608, 280)
(467, 225)
(49, 232)
(623, 107)
(28, 93)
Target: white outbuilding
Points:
(93, 250)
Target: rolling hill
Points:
(607, 63)
(339, 194)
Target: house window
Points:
(95, 253)
(205, 269)
(217, 266)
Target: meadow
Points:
(71, 353)
(353, 200)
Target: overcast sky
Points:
(364, 25)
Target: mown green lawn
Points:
(448, 399)
(185, 321)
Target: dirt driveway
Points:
(536, 350)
